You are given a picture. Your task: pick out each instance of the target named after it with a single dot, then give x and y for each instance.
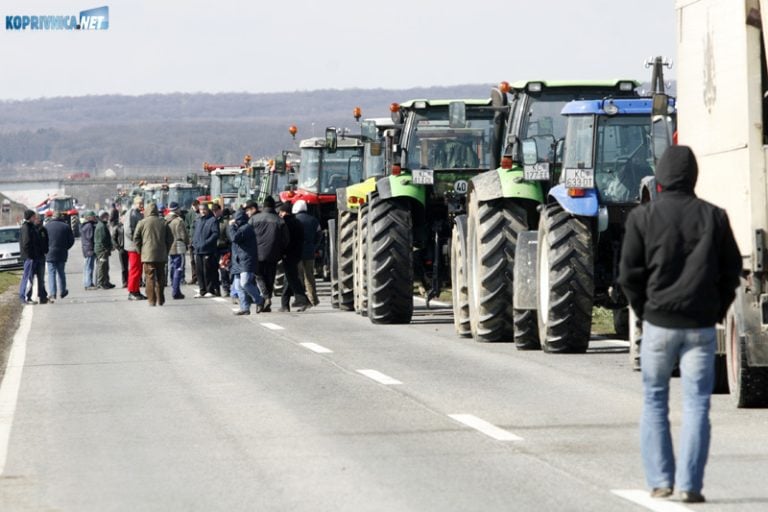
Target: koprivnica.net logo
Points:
(92, 19)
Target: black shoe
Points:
(284, 309)
(64, 293)
(304, 307)
(662, 492)
(259, 308)
(179, 296)
(44, 301)
(692, 497)
(109, 286)
(267, 308)
(242, 312)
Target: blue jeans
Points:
(659, 351)
(26, 278)
(248, 292)
(56, 269)
(177, 273)
(88, 264)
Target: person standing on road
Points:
(39, 274)
(222, 247)
(312, 237)
(205, 239)
(29, 244)
(178, 249)
(102, 246)
(153, 239)
(60, 241)
(87, 233)
(272, 239)
(117, 233)
(679, 268)
(132, 219)
(291, 261)
(245, 263)
(189, 219)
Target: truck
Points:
(503, 203)
(722, 78)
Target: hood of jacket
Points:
(677, 169)
(241, 217)
(151, 210)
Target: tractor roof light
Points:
(293, 130)
(394, 107)
(610, 108)
(626, 86)
(357, 113)
(506, 162)
(535, 87)
(504, 87)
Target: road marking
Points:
(613, 343)
(485, 427)
(643, 498)
(274, 327)
(314, 347)
(9, 389)
(220, 299)
(379, 377)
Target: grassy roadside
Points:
(10, 312)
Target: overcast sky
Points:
(286, 45)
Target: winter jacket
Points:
(180, 235)
(102, 241)
(206, 234)
(295, 246)
(87, 231)
(130, 221)
(189, 221)
(271, 234)
(29, 241)
(60, 240)
(153, 237)
(680, 264)
(312, 235)
(223, 243)
(245, 255)
(117, 232)
(43, 236)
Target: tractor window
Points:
(433, 144)
(624, 157)
(578, 141)
(323, 172)
(63, 205)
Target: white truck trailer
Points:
(722, 87)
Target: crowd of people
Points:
(230, 253)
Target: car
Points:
(10, 251)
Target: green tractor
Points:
(347, 281)
(504, 203)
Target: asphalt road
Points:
(187, 407)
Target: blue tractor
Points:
(611, 147)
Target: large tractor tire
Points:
(361, 265)
(748, 385)
(346, 260)
(459, 277)
(390, 261)
(333, 267)
(566, 281)
(492, 229)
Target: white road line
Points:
(485, 427)
(314, 347)
(220, 299)
(9, 389)
(274, 327)
(379, 377)
(643, 498)
(613, 343)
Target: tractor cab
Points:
(324, 170)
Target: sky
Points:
(293, 45)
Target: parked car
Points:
(10, 251)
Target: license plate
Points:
(423, 177)
(536, 172)
(579, 178)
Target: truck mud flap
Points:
(524, 276)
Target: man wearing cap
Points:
(291, 260)
(178, 249)
(87, 233)
(132, 219)
(60, 241)
(206, 252)
(272, 239)
(29, 243)
(39, 273)
(153, 239)
(312, 237)
(102, 247)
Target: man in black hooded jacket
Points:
(679, 268)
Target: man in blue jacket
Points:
(60, 241)
(206, 253)
(245, 262)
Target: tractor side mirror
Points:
(457, 114)
(660, 105)
(530, 152)
(331, 139)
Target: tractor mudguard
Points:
(585, 206)
(401, 186)
(524, 275)
(357, 194)
(507, 183)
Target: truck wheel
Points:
(526, 330)
(346, 260)
(621, 323)
(749, 386)
(390, 262)
(331, 247)
(459, 278)
(361, 254)
(492, 229)
(565, 281)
